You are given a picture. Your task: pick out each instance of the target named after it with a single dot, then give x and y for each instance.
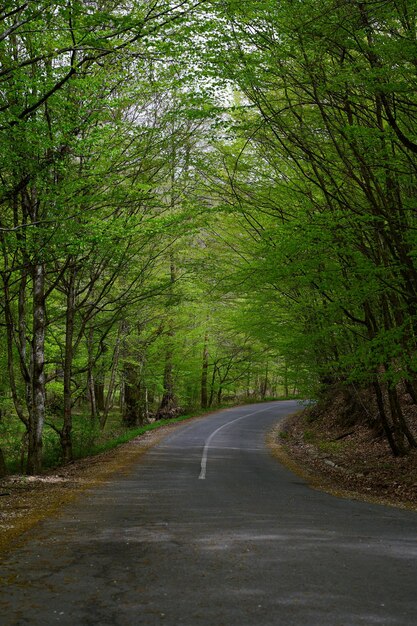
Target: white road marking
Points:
(203, 471)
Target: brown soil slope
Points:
(345, 458)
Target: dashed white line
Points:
(203, 471)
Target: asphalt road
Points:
(208, 529)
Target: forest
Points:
(204, 202)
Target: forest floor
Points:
(345, 462)
(26, 500)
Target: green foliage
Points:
(220, 200)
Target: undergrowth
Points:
(87, 436)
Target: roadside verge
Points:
(27, 500)
(350, 465)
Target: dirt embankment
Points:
(342, 454)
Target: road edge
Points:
(313, 478)
(84, 474)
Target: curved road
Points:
(208, 529)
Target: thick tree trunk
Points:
(169, 405)
(37, 414)
(10, 356)
(133, 414)
(99, 392)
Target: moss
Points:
(331, 446)
(309, 436)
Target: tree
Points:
(57, 90)
(334, 226)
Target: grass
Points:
(131, 433)
(309, 436)
(332, 447)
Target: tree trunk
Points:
(169, 405)
(99, 392)
(132, 407)
(264, 384)
(146, 404)
(37, 414)
(286, 389)
(66, 431)
(204, 373)
(112, 382)
(10, 356)
(396, 450)
(90, 376)
(410, 386)
(248, 381)
(399, 419)
(213, 379)
(122, 395)
(3, 469)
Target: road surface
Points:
(208, 529)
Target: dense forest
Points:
(204, 201)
